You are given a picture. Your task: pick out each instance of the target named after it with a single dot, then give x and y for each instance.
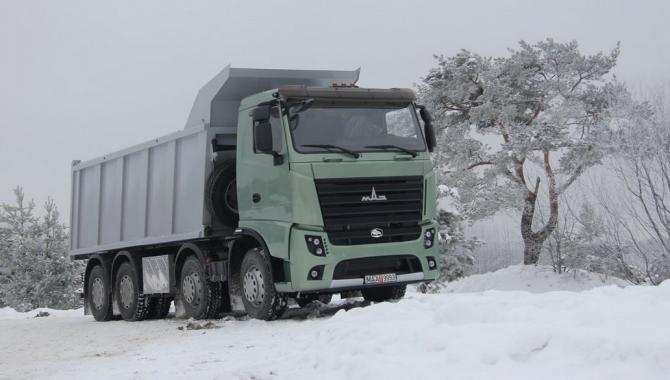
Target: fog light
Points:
(432, 264)
(316, 273)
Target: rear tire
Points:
(385, 293)
(159, 307)
(98, 294)
(130, 299)
(201, 298)
(261, 300)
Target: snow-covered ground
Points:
(530, 330)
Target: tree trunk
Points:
(533, 241)
(531, 251)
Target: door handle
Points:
(256, 197)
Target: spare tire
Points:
(221, 194)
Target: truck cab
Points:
(339, 182)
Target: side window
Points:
(399, 123)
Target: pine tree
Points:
(521, 129)
(40, 273)
(455, 250)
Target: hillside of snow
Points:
(532, 278)
(473, 331)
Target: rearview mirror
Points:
(263, 136)
(260, 113)
(429, 131)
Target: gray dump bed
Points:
(153, 193)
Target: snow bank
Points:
(532, 278)
(602, 333)
(9, 313)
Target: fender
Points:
(185, 250)
(106, 262)
(240, 232)
(121, 256)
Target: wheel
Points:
(221, 195)
(201, 298)
(159, 307)
(98, 295)
(261, 300)
(306, 299)
(130, 299)
(385, 293)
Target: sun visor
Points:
(371, 95)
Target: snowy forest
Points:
(543, 157)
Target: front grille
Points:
(358, 268)
(351, 209)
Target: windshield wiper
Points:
(405, 150)
(330, 146)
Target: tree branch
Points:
(481, 163)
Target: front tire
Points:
(385, 293)
(261, 300)
(130, 299)
(98, 294)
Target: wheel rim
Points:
(254, 287)
(126, 290)
(191, 288)
(230, 196)
(98, 293)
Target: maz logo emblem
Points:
(376, 233)
(373, 196)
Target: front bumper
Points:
(302, 262)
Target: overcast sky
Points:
(79, 79)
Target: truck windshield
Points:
(357, 128)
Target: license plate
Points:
(380, 278)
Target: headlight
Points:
(428, 238)
(315, 245)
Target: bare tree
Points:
(643, 169)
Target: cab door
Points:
(262, 178)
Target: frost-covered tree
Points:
(39, 271)
(520, 129)
(456, 258)
(455, 250)
(643, 168)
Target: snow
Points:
(532, 278)
(607, 332)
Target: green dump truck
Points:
(284, 184)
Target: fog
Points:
(79, 79)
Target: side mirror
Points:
(263, 136)
(263, 139)
(260, 113)
(428, 128)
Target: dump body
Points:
(147, 194)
